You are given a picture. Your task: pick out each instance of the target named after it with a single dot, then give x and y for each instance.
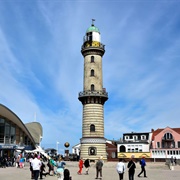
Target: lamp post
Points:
(57, 147)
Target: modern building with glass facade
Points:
(15, 135)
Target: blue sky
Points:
(42, 67)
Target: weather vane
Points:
(93, 22)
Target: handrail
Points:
(101, 46)
(94, 93)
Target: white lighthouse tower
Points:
(93, 97)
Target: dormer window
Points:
(135, 138)
(126, 137)
(168, 136)
(143, 137)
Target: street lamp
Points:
(57, 146)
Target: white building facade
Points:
(137, 144)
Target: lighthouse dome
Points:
(92, 28)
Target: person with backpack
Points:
(143, 164)
(131, 165)
(120, 169)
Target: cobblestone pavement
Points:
(155, 171)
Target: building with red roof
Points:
(165, 143)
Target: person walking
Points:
(13, 160)
(80, 166)
(120, 169)
(17, 161)
(87, 165)
(172, 161)
(30, 164)
(49, 167)
(36, 165)
(42, 170)
(143, 164)
(21, 162)
(60, 168)
(131, 168)
(99, 165)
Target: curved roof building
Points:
(14, 134)
(35, 130)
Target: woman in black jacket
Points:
(87, 165)
(131, 165)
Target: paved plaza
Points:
(155, 171)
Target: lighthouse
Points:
(93, 96)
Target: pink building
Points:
(165, 143)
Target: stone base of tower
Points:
(93, 150)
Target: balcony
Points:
(90, 45)
(102, 93)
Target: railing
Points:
(132, 140)
(93, 93)
(101, 46)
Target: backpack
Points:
(140, 162)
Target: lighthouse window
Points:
(92, 72)
(92, 87)
(92, 150)
(92, 128)
(89, 36)
(92, 58)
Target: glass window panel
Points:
(2, 121)
(178, 144)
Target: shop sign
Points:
(20, 147)
(7, 147)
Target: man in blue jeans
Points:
(143, 164)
